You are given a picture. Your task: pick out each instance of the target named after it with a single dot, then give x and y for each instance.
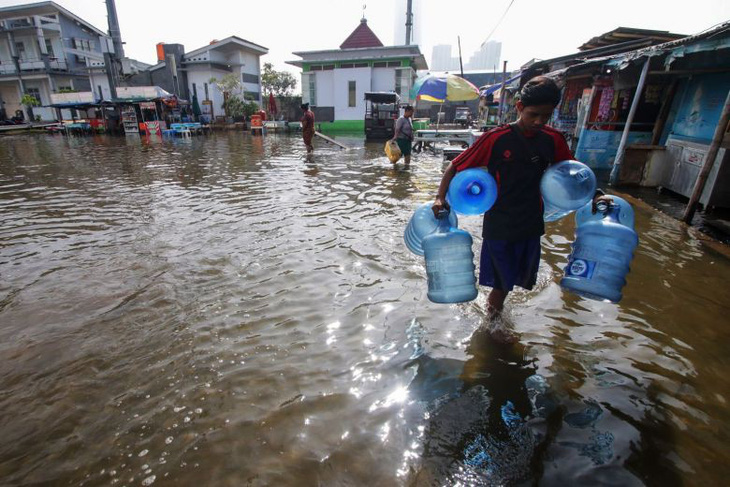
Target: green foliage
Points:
(228, 84)
(67, 90)
(29, 100)
(237, 107)
(280, 83)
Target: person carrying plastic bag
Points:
(403, 134)
(516, 155)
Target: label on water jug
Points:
(580, 268)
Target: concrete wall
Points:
(362, 78)
(383, 79)
(71, 30)
(325, 82)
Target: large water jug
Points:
(449, 264)
(601, 256)
(472, 191)
(625, 213)
(423, 223)
(566, 187)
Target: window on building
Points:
(362, 65)
(315, 68)
(403, 83)
(394, 64)
(49, 48)
(346, 65)
(20, 49)
(328, 67)
(101, 93)
(205, 86)
(35, 93)
(351, 94)
(380, 64)
(250, 78)
(195, 90)
(309, 88)
(313, 91)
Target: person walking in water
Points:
(516, 155)
(403, 134)
(307, 127)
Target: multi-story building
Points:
(487, 57)
(42, 48)
(334, 81)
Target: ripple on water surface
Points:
(227, 311)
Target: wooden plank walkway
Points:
(331, 141)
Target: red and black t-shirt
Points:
(517, 161)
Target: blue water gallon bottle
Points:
(566, 187)
(625, 213)
(449, 264)
(472, 191)
(423, 223)
(601, 256)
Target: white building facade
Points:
(44, 49)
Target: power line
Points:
(498, 22)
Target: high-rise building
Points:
(399, 32)
(487, 57)
(441, 59)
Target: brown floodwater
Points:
(225, 311)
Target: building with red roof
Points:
(334, 81)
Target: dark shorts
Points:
(506, 264)
(404, 145)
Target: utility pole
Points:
(502, 93)
(409, 21)
(114, 31)
(461, 64)
(114, 50)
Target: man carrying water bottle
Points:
(516, 155)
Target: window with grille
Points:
(351, 94)
(34, 92)
(49, 48)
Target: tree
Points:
(236, 107)
(229, 85)
(280, 83)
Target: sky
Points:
(530, 29)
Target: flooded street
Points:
(223, 311)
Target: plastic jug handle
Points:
(444, 223)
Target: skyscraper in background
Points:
(442, 60)
(486, 58)
(399, 34)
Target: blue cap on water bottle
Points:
(472, 192)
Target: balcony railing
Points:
(7, 66)
(22, 23)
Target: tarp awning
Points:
(488, 90)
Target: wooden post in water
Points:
(661, 119)
(722, 124)
(616, 169)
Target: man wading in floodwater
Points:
(516, 155)
(403, 134)
(307, 127)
